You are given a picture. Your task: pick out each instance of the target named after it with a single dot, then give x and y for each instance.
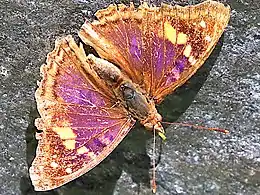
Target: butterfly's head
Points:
(153, 122)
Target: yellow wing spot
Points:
(187, 51)
(67, 135)
(182, 38)
(82, 150)
(65, 132)
(68, 170)
(170, 32)
(202, 24)
(207, 38)
(69, 144)
(192, 60)
(54, 164)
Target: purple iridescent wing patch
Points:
(79, 123)
(159, 48)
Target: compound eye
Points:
(128, 93)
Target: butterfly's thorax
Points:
(127, 93)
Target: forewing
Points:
(160, 48)
(80, 122)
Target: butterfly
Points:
(89, 104)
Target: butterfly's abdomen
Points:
(106, 71)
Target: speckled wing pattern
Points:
(79, 124)
(159, 48)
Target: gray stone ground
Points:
(192, 161)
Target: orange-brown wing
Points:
(80, 127)
(159, 48)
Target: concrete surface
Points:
(192, 161)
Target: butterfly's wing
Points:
(79, 120)
(159, 48)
